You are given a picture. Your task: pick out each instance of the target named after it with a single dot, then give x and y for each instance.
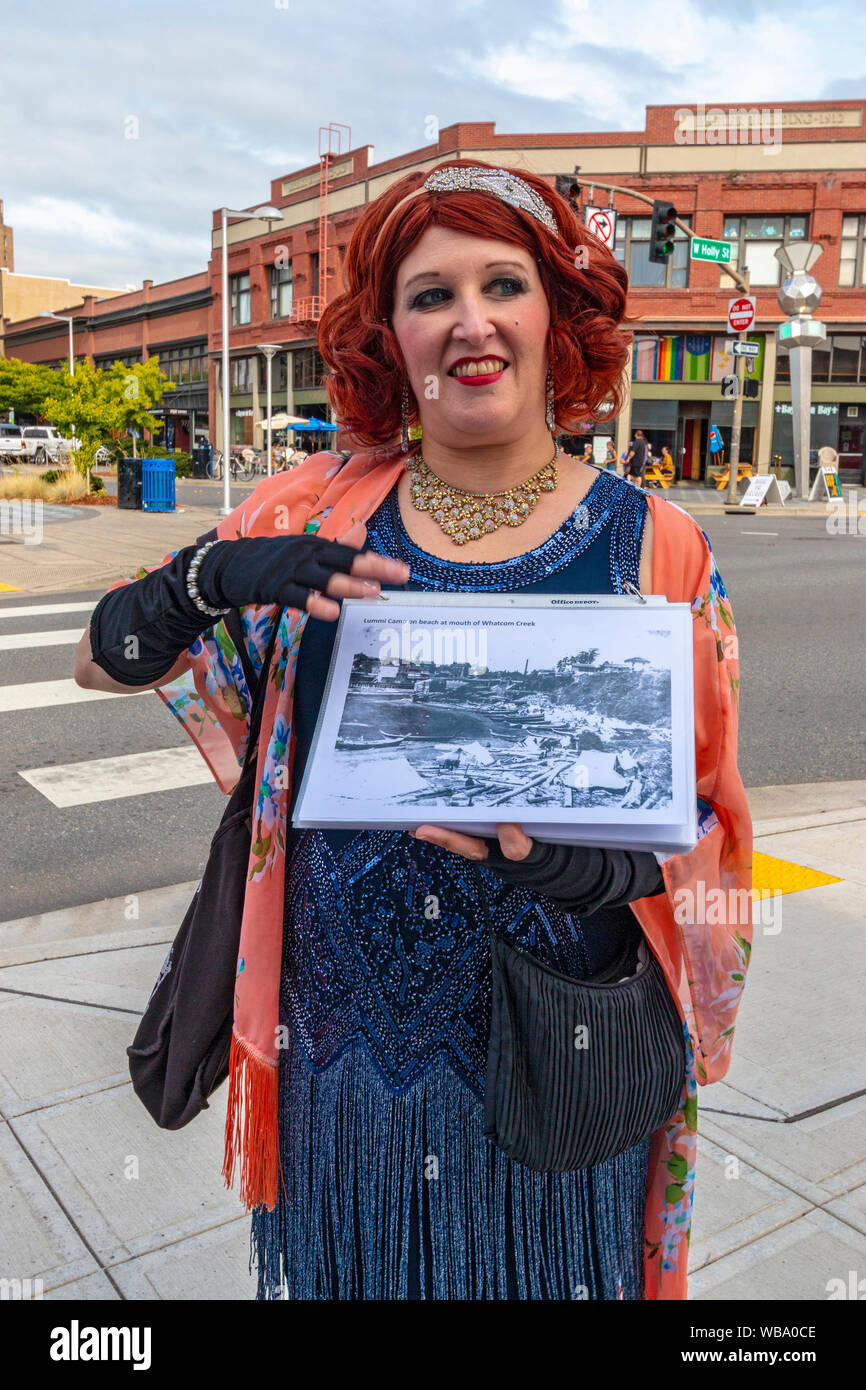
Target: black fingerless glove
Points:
(138, 632)
(583, 880)
(271, 569)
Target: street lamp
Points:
(63, 318)
(267, 214)
(268, 350)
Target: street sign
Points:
(762, 488)
(717, 251)
(741, 313)
(746, 349)
(602, 223)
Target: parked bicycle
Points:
(239, 468)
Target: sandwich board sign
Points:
(763, 488)
(826, 484)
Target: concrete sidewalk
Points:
(90, 547)
(100, 1204)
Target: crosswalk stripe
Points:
(47, 694)
(45, 610)
(107, 779)
(16, 641)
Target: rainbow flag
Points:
(670, 364)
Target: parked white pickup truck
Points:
(45, 444)
(13, 446)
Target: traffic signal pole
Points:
(737, 426)
(742, 281)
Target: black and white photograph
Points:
(541, 712)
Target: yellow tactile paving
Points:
(771, 875)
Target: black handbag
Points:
(578, 1071)
(180, 1053)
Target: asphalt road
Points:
(797, 596)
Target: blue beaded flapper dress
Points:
(390, 1190)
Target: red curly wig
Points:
(586, 348)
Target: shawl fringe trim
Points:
(251, 1133)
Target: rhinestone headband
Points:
(503, 184)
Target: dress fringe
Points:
(400, 1196)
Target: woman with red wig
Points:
(478, 308)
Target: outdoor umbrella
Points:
(282, 421)
(315, 424)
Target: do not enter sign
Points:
(741, 313)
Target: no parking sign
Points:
(602, 223)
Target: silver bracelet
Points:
(192, 583)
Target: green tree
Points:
(93, 405)
(137, 389)
(24, 386)
(85, 407)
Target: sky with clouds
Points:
(228, 94)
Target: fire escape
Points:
(308, 310)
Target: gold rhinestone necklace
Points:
(467, 516)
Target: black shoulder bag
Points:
(180, 1054)
(578, 1070)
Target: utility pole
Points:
(742, 281)
(737, 426)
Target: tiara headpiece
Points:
(504, 184)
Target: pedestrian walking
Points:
(636, 458)
(363, 1004)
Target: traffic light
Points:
(662, 232)
(750, 386)
(567, 185)
(730, 387)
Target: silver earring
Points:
(404, 417)
(549, 417)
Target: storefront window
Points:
(824, 430)
(242, 373)
(755, 242)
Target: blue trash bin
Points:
(157, 485)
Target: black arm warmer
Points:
(582, 879)
(138, 632)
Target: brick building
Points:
(168, 321)
(757, 177)
(797, 175)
